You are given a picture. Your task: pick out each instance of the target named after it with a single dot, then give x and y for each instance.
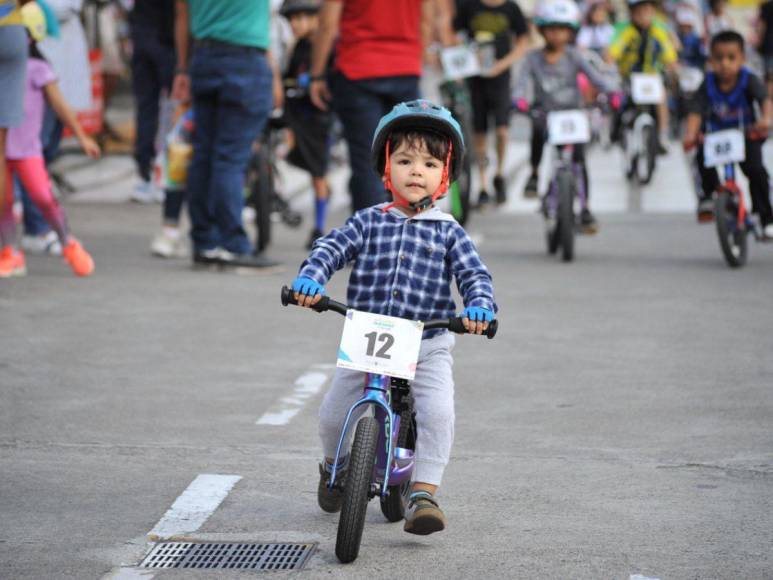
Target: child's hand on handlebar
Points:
(307, 292)
(475, 319)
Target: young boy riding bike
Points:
(732, 97)
(404, 255)
(644, 46)
(552, 71)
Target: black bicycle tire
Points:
(393, 505)
(565, 225)
(357, 490)
(262, 193)
(723, 217)
(650, 140)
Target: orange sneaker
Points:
(12, 262)
(78, 259)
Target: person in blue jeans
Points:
(230, 85)
(378, 54)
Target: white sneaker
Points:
(146, 192)
(767, 231)
(47, 243)
(169, 244)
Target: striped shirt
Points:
(402, 266)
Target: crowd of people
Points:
(207, 75)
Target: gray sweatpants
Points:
(433, 393)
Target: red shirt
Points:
(379, 38)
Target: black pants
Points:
(152, 71)
(755, 172)
(539, 135)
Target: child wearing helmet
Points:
(596, 32)
(644, 45)
(24, 153)
(552, 73)
(405, 254)
(693, 50)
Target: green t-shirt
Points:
(243, 22)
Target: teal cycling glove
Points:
(476, 313)
(307, 286)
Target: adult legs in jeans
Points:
(152, 71)
(360, 105)
(231, 101)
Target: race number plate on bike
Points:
(568, 127)
(378, 344)
(460, 62)
(647, 89)
(724, 147)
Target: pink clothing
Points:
(24, 140)
(33, 176)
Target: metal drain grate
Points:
(230, 555)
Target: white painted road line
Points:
(306, 387)
(194, 506)
(640, 577)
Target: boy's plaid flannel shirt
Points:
(403, 266)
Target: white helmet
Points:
(558, 13)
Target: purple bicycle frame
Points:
(398, 460)
(565, 159)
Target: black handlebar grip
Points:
(455, 325)
(288, 297)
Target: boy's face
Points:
(598, 14)
(685, 29)
(303, 24)
(727, 58)
(556, 36)
(642, 14)
(414, 171)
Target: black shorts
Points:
(490, 99)
(311, 130)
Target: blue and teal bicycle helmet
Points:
(419, 115)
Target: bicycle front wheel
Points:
(732, 237)
(357, 490)
(566, 229)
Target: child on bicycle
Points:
(552, 72)
(732, 97)
(310, 126)
(24, 153)
(404, 255)
(644, 46)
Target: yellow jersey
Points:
(649, 52)
(9, 13)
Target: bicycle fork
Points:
(394, 464)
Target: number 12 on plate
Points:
(385, 345)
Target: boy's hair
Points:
(728, 37)
(437, 144)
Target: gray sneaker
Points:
(330, 500)
(424, 516)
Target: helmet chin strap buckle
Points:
(422, 204)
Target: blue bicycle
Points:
(382, 455)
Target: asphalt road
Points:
(620, 423)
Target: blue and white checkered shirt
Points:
(403, 265)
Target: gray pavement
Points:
(620, 424)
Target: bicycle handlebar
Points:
(453, 324)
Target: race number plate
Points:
(380, 344)
(724, 147)
(568, 127)
(646, 89)
(459, 62)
